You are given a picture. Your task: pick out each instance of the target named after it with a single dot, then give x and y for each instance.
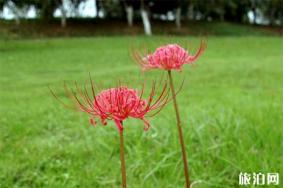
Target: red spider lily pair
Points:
(120, 103)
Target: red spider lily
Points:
(118, 103)
(169, 57)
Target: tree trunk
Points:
(281, 19)
(130, 15)
(272, 17)
(190, 13)
(178, 17)
(254, 11)
(146, 22)
(255, 16)
(63, 17)
(17, 19)
(47, 11)
(16, 12)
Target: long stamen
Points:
(82, 95)
(199, 52)
(161, 95)
(94, 97)
(60, 101)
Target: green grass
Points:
(231, 107)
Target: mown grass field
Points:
(231, 107)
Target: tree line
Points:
(208, 10)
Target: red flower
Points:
(169, 57)
(118, 103)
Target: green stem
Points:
(181, 137)
(122, 158)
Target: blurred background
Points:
(108, 17)
(231, 101)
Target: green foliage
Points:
(231, 107)
(229, 10)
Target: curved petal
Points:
(146, 124)
(201, 49)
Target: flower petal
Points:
(146, 124)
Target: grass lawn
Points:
(231, 107)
